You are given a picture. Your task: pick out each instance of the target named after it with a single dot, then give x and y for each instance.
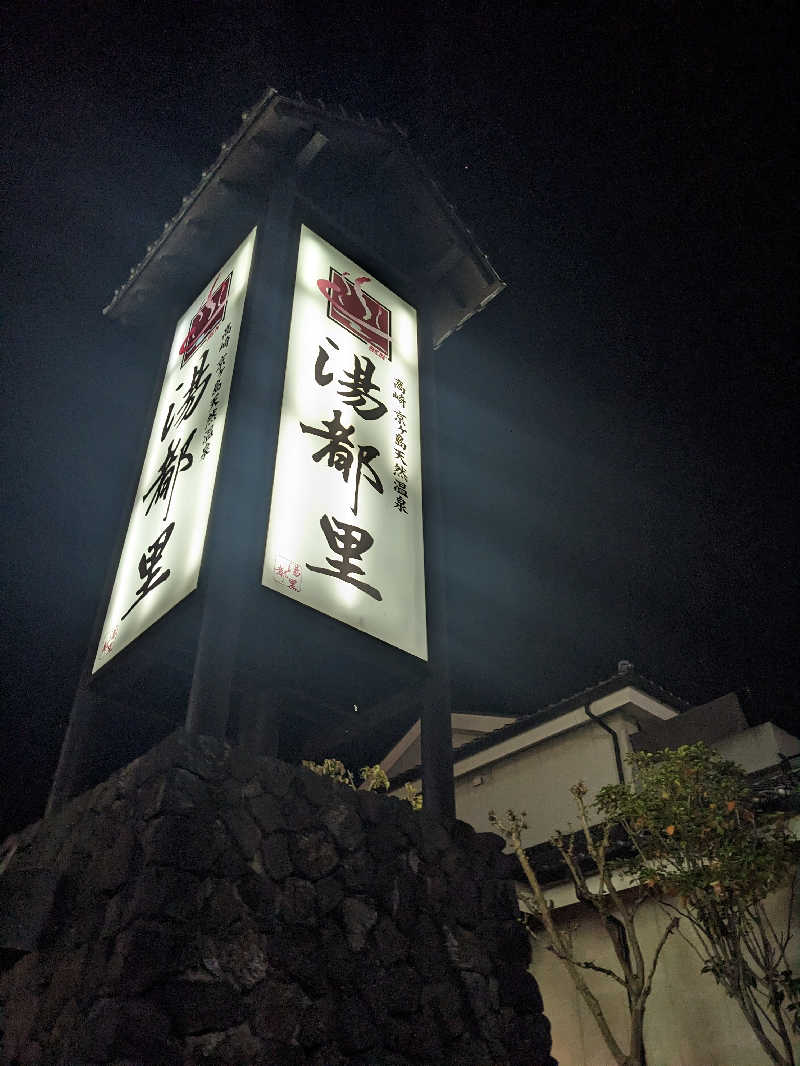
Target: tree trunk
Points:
(637, 1052)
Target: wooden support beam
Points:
(259, 722)
(438, 786)
(228, 565)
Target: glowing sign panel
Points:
(345, 527)
(160, 560)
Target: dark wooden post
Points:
(259, 721)
(438, 787)
(74, 747)
(83, 718)
(237, 512)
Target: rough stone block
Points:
(341, 964)
(314, 854)
(275, 856)
(243, 764)
(142, 955)
(300, 953)
(201, 755)
(317, 1023)
(434, 839)
(478, 993)
(356, 1031)
(427, 951)
(241, 961)
(518, 989)
(467, 951)
(243, 830)
(231, 864)
(344, 825)
(67, 971)
(119, 1028)
(387, 942)
(372, 807)
(233, 1047)
(419, 1038)
(158, 893)
(267, 812)
(18, 1016)
(320, 791)
(400, 989)
(385, 843)
(469, 1051)
(174, 840)
(221, 907)
(330, 893)
(298, 902)
(26, 900)
(329, 1055)
(196, 1006)
(298, 813)
(177, 792)
(358, 870)
(528, 1040)
(465, 896)
(445, 1000)
(276, 776)
(359, 917)
(112, 868)
(261, 896)
(276, 1010)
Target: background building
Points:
(529, 763)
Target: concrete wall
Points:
(537, 780)
(203, 905)
(689, 1021)
(759, 747)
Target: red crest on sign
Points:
(358, 311)
(207, 320)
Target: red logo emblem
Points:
(207, 319)
(358, 311)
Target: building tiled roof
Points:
(617, 681)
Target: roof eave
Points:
(467, 281)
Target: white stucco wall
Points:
(759, 747)
(689, 1020)
(538, 780)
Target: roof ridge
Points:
(550, 710)
(249, 117)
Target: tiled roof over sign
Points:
(361, 174)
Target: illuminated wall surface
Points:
(345, 527)
(163, 548)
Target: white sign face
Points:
(163, 549)
(345, 525)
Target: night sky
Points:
(617, 428)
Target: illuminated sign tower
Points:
(275, 562)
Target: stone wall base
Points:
(203, 905)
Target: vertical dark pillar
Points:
(84, 719)
(438, 786)
(231, 564)
(76, 743)
(259, 722)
